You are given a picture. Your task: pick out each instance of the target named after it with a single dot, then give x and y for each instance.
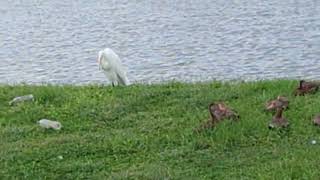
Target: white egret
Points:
(110, 63)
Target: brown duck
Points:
(280, 102)
(306, 88)
(218, 112)
(278, 121)
(316, 120)
(221, 111)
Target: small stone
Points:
(313, 142)
(60, 157)
(19, 99)
(48, 124)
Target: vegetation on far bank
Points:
(146, 132)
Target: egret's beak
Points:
(99, 61)
(99, 64)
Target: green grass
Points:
(146, 132)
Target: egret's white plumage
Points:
(110, 63)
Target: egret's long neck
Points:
(103, 62)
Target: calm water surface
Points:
(58, 41)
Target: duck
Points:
(316, 120)
(280, 102)
(218, 112)
(221, 111)
(306, 88)
(278, 121)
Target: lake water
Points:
(51, 41)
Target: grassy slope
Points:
(145, 131)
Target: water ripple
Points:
(57, 41)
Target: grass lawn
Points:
(146, 132)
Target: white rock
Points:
(19, 99)
(45, 123)
(313, 142)
(60, 157)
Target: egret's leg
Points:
(112, 84)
